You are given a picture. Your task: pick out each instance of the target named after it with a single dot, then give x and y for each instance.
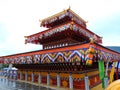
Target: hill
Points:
(115, 48)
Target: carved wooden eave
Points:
(103, 52)
(61, 15)
(40, 37)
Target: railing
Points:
(58, 67)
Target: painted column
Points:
(8, 71)
(26, 76)
(32, 75)
(106, 82)
(40, 79)
(20, 75)
(15, 75)
(86, 83)
(58, 80)
(48, 79)
(106, 75)
(10, 74)
(70, 81)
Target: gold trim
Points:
(64, 74)
(64, 11)
(92, 73)
(77, 15)
(53, 74)
(78, 75)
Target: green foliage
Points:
(3, 66)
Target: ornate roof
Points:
(65, 24)
(67, 53)
(39, 37)
(48, 22)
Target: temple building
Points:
(70, 56)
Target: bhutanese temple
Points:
(71, 57)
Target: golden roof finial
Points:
(69, 7)
(40, 20)
(86, 21)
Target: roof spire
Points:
(69, 7)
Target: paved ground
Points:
(99, 87)
(44, 85)
(6, 84)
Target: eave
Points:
(55, 17)
(106, 54)
(38, 37)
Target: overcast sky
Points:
(19, 18)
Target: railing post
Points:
(48, 79)
(20, 75)
(26, 76)
(32, 76)
(70, 81)
(58, 80)
(40, 79)
(86, 83)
